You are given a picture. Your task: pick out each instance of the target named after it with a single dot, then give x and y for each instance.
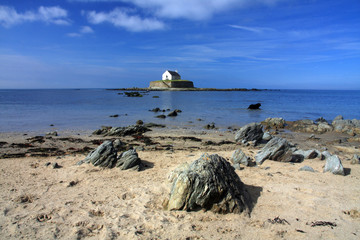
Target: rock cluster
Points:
(208, 183)
(122, 131)
(106, 156)
(350, 127)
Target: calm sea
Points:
(89, 109)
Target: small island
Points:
(170, 80)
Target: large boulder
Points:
(208, 183)
(104, 156)
(333, 165)
(238, 158)
(277, 149)
(250, 132)
(129, 160)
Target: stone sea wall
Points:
(171, 84)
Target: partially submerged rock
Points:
(208, 183)
(250, 132)
(254, 106)
(278, 149)
(333, 165)
(238, 158)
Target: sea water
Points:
(89, 109)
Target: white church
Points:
(171, 75)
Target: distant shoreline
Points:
(187, 89)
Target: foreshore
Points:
(45, 195)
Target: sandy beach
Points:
(40, 201)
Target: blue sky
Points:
(286, 44)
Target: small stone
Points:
(267, 136)
(139, 122)
(161, 116)
(307, 168)
(355, 159)
(114, 116)
(172, 114)
(56, 165)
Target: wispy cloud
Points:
(252, 29)
(121, 18)
(50, 15)
(83, 30)
(187, 9)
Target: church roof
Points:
(173, 73)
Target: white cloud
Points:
(83, 30)
(252, 29)
(188, 9)
(121, 18)
(86, 29)
(51, 15)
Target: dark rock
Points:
(254, 106)
(161, 116)
(210, 126)
(239, 157)
(321, 120)
(333, 165)
(199, 119)
(129, 160)
(307, 168)
(121, 131)
(47, 164)
(56, 165)
(114, 116)
(208, 183)
(104, 156)
(172, 114)
(277, 149)
(139, 122)
(133, 94)
(155, 110)
(178, 110)
(155, 125)
(155, 97)
(250, 132)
